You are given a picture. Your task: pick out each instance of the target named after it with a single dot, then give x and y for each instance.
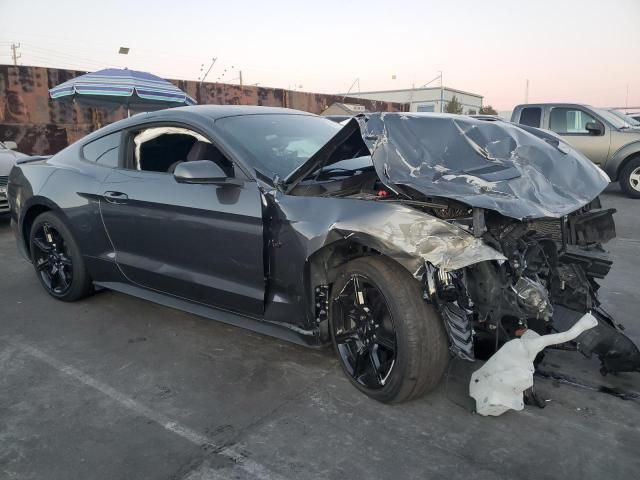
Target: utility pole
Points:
(526, 92)
(240, 72)
(626, 100)
(14, 54)
(441, 94)
(357, 80)
(213, 62)
(203, 77)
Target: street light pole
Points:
(125, 51)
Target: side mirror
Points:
(594, 128)
(11, 145)
(200, 171)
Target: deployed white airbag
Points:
(155, 132)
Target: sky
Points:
(585, 51)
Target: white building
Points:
(432, 99)
(345, 109)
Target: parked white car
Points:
(8, 157)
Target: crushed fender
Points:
(616, 351)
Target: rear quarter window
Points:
(531, 116)
(104, 151)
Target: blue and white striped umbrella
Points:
(130, 88)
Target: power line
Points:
(164, 55)
(65, 59)
(167, 55)
(39, 51)
(50, 59)
(357, 80)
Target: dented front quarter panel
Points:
(299, 227)
(405, 234)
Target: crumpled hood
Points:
(517, 171)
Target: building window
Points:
(425, 108)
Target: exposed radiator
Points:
(548, 228)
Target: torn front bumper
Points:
(616, 351)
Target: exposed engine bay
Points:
(550, 278)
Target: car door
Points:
(570, 122)
(200, 242)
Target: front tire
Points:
(57, 259)
(630, 178)
(391, 344)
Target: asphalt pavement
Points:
(113, 387)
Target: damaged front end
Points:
(530, 197)
(513, 232)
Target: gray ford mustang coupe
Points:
(399, 238)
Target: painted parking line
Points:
(251, 469)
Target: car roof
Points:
(221, 111)
(553, 104)
(200, 112)
(487, 117)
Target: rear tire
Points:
(630, 178)
(411, 327)
(57, 259)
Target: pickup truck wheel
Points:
(391, 344)
(630, 178)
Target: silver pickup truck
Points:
(605, 138)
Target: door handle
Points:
(115, 197)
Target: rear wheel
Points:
(391, 344)
(630, 178)
(57, 259)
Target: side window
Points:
(569, 121)
(162, 149)
(531, 116)
(104, 150)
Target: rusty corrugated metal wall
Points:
(40, 125)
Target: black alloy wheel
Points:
(52, 260)
(391, 344)
(57, 259)
(364, 333)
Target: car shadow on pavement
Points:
(614, 190)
